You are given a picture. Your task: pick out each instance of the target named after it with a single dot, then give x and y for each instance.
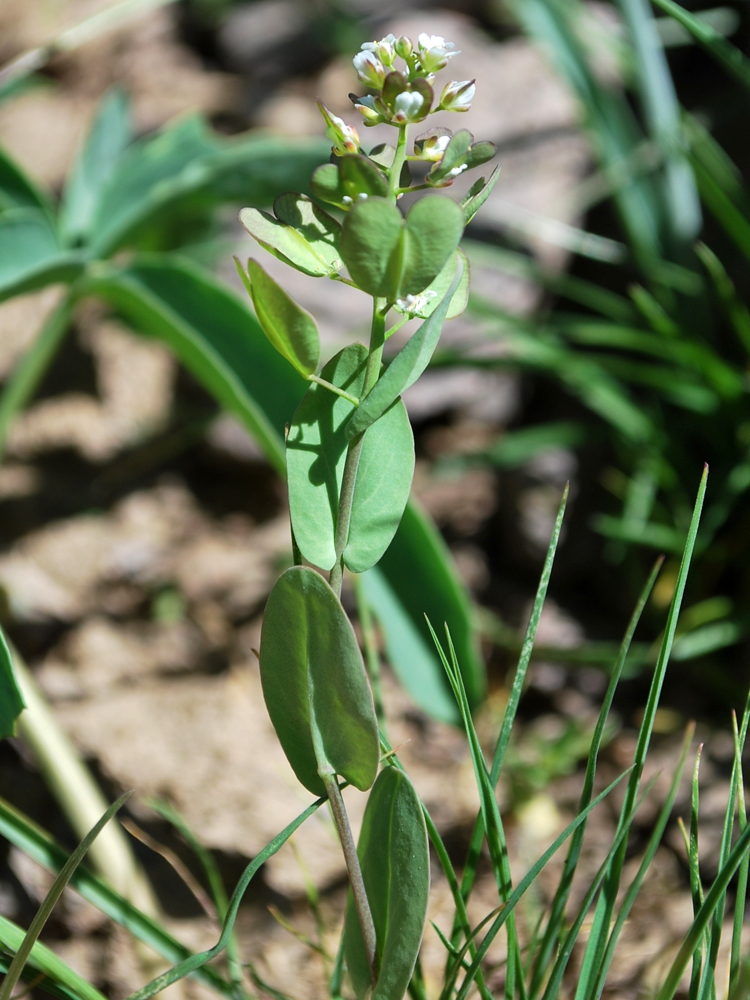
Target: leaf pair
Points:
(314, 683)
(352, 178)
(316, 454)
(391, 257)
(301, 234)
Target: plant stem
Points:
(333, 388)
(355, 872)
(348, 480)
(394, 176)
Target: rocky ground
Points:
(140, 533)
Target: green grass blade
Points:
(739, 903)
(56, 890)
(662, 114)
(56, 975)
(735, 309)
(605, 907)
(513, 701)
(714, 896)
(653, 844)
(557, 910)
(566, 948)
(726, 54)
(524, 884)
(696, 887)
(490, 813)
(39, 846)
(213, 877)
(194, 962)
(32, 367)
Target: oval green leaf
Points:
(406, 367)
(384, 477)
(434, 225)
(454, 155)
(395, 864)
(371, 244)
(315, 685)
(327, 186)
(360, 176)
(321, 230)
(290, 328)
(284, 242)
(316, 455)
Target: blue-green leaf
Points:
(11, 701)
(30, 256)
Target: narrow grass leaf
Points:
(55, 891)
(524, 884)
(395, 864)
(315, 684)
(196, 962)
(11, 700)
(38, 845)
(556, 919)
(406, 367)
(600, 930)
(726, 54)
(44, 968)
(741, 893)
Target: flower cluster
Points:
(404, 95)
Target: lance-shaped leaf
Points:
(11, 702)
(18, 190)
(478, 195)
(30, 256)
(284, 242)
(105, 144)
(454, 155)
(315, 458)
(395, 865)
(315, 685)
(390, 257)
(290, 328)
(406, 367)
(441, 284)
(321, 230)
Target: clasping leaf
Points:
(314, 683)
(285, 243)
(395, 863)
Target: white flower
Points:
(434, 147)
(369, 69)
(415, 303)
(385, 49)
(407, 105)
(458, 95)
(344, 137)
(434, 52)
(457, 171)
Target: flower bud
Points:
(369, 69)
(457, 95)
(407, 106)
(367, 107)
(404, 47)
(385, 49)
(434, 52)
(344, 137)
(431, 145)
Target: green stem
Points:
(333, 388)
(348, 480)
(394, 176)
(33, 366)
(355, 872)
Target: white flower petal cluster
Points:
(370, 69)
(458, 95)
(385, 49)
(415, 303)
(434, 52)
(345, 138)
(407, 106)
(434, 147)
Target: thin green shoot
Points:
(741, 894)
(56, 890)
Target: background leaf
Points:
(30, 255)
(314, 683)
(107, 139)
(11, 702)
(395, 864)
